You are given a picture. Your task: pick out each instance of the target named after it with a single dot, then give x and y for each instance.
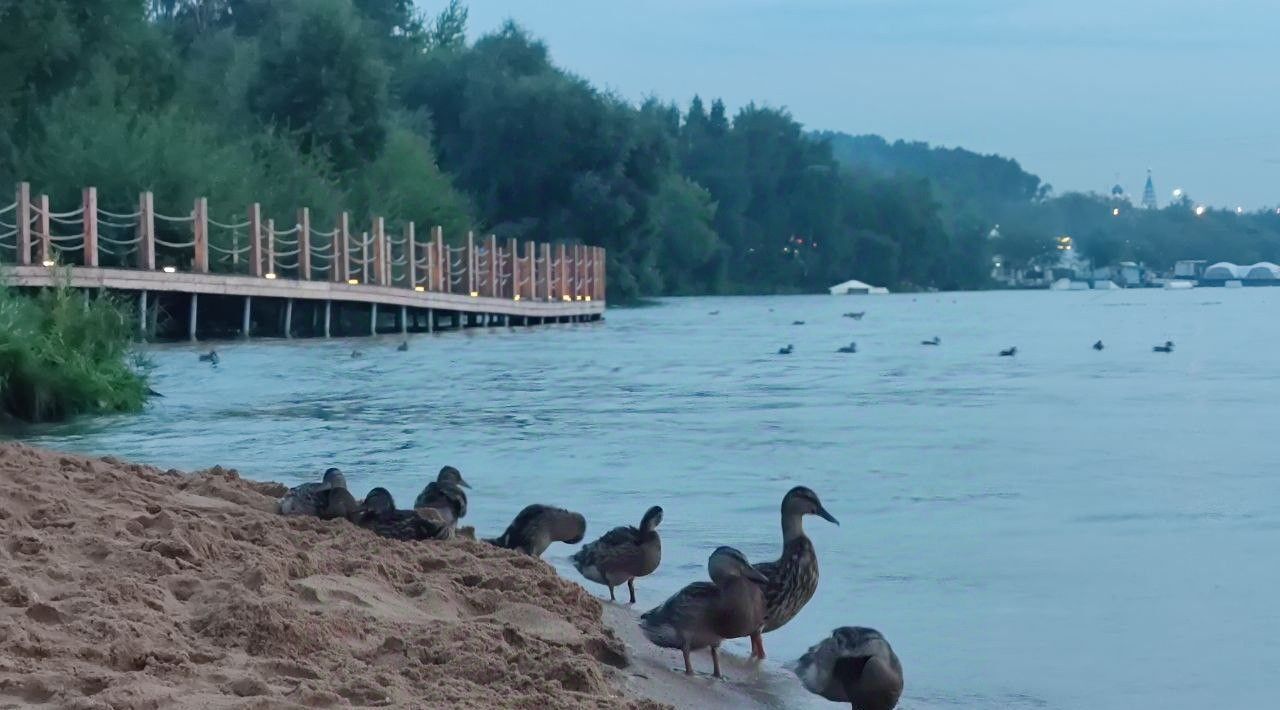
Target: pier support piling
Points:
(404, 320)
(288, 318)
(328, 315)
(244, 321)
(142, 314)
(193, 317)
(431, 320)
(373, 319)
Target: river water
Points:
(1062, 529)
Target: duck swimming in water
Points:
(304, 499)
(1166, 348)
(797, 322)
(856, 315)
(787, 350)
(211, 357)
(704, 614)
(623, 554)
(853, 665)
(1009, 352)
(935, 341)
(852, 347)
(537, 526)
(356, 354)
(403, 347)
(794, 577)
(1098, 345)
(378, 514)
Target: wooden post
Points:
(531, 256)
(440, 259)
(495, 267)
(147, 232)
(471, 263)
(46, 245)
(563, 272)
(341, 270)
(142, 313)
(544, 287)
(410, 256)
(364, 257)
(23, 216)
(304, 244)
(90, 222)
(200, 230)
(431, 320)
(271, 246)
(513, 248)
(255, 247)
(604, 274)
(191, 319)
(379, 253)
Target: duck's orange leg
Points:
(757, 646)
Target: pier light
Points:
(517, 296)
(1199, 210)
(1115, 212)
(588, 298)
(565, 298)
(1239, 210)
(48, 262)
(269, 275)
(579, 298)
(420, 289)
(475, 294)
(170, 269)
(353, 282)
(1177, 192)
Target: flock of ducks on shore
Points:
(853, 665)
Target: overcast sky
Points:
(1081, 92)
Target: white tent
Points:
(856, 287)
(1222, 270)
(1261, 271)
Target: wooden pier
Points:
(197, 277)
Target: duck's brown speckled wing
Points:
(792, 581)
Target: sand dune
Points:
(123, 586)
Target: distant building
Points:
(1189, 268)
(1149, 194)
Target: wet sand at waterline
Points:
(125, 586)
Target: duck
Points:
(854, 665)
(852, 347)
(856, 315)
(623, 554)
(302, 499)
(714, 313)
(448, 476)
(443, 499)
(403, 347)
(1009, 352)
(537, 526)
(1098, 345)
(379, 515)
(334, 503)
(1166, 348)
(793, 578)
(933, 341)
(787, 350)
(211, 357)
(704, 614)
(356, 354)
(797, 322)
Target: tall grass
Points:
(61, 356)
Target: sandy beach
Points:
(125, 586)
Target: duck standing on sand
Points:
(704, 614)
(1166, 348)
(448, 476)
(211, 357)
(537, 526)
(378, 514)
(443, 501)
(853, 665)
(794, 577)
(622, 554)
(304, 499)
(1009, 352)
(334, 503)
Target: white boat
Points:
(854, 287)
(1179, 285)
(1105, 285)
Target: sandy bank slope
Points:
(123, 586)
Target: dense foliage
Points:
(371, 106)
(61, 355)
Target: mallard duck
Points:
(378, 514)
(335, 503)
(301, 499)
(537, 526)
(703, 614)
(443, 499)
(794, 577)
(622, 554)
(852, 347)
(447, 475)
(403, 347)
(856, 315)
(1098, 345)
(786, 351)
(210, 357)
(935, 340)
(1009, 352)
(1166, 348)
(853, 665)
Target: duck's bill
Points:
(755, 575)
(463, 483)
(822, 513)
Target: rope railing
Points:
(125, 238)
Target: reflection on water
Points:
(1063, 529)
